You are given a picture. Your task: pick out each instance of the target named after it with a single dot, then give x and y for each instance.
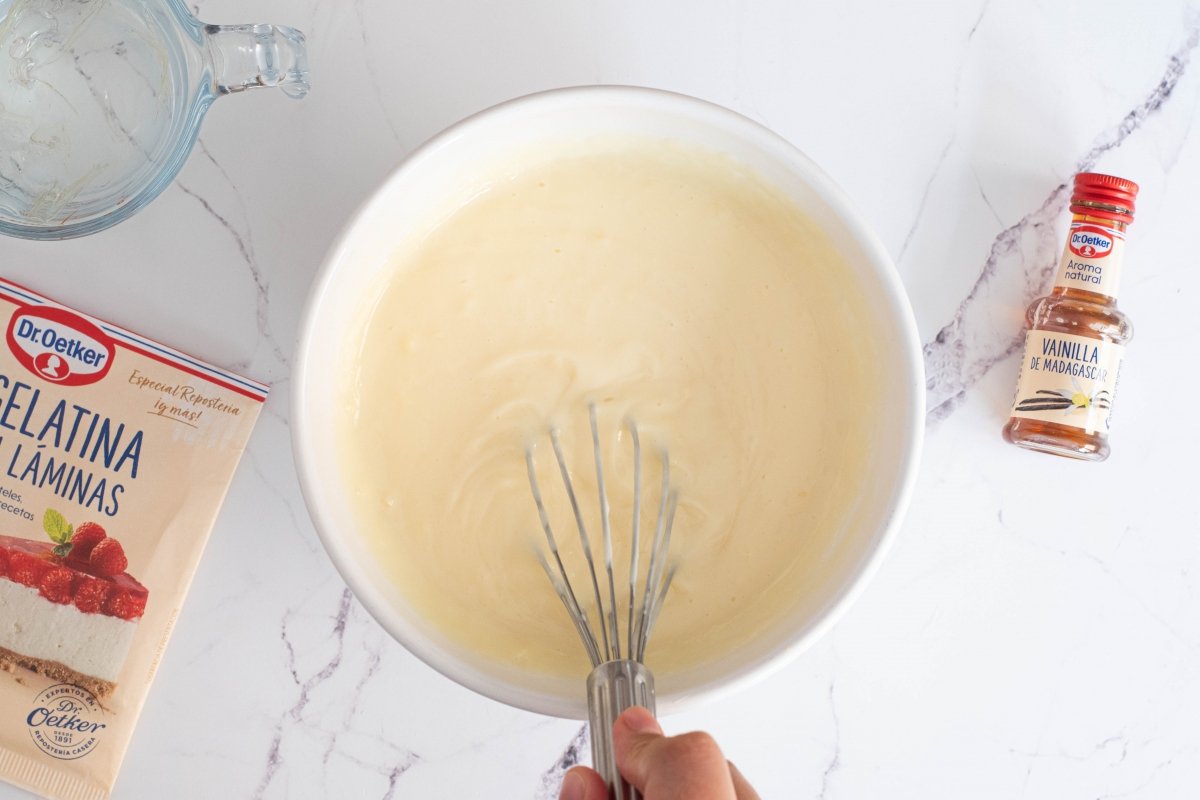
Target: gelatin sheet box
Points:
(115, 455)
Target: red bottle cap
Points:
(1109, 190)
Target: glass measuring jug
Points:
(102, 100)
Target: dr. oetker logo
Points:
(1090, 242)
(64, 721)
(59, 346)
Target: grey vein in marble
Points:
(941, 159)
(391, 772)
(1149, 780)
(937, 168)
(393, 777)
(968, 346)
(571, 755)
(295, 722)
(1172, 630)
(1097, 749)
(983, 194)
(376, 658)
(245, 245)
(298, 525)
(110, 113)
(278, 390)
(371, 74)
(836, 761)
(274, 760)
(237, 237)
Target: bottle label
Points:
(1068, 379)
(1092, 259)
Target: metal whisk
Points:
(618, 679)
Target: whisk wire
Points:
(583, 537)
(615, 683)
(652, 580)
(572, 605)
(645, 599)
(636, 531)
(561, 583)
(606, 528)
(648, 592)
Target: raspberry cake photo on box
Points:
(116, 452)
(68, 608)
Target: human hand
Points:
(686, 767)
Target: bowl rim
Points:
(909, 353)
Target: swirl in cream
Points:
(662, 283)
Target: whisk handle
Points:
(613, 687)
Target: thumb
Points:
(686, 767)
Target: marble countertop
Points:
(1034, 631)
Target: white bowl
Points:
(445, 171)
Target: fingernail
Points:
(639, 720)
(572, 787)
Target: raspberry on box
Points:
(68, 603)
(124, 605)
(25, 569)
(86, 537)
(90, 595)
(108, 558)
(55, 584)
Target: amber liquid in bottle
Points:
(1080, 313)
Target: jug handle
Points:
(249, 56)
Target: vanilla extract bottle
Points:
(1077, 335)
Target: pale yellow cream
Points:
(666, 285)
